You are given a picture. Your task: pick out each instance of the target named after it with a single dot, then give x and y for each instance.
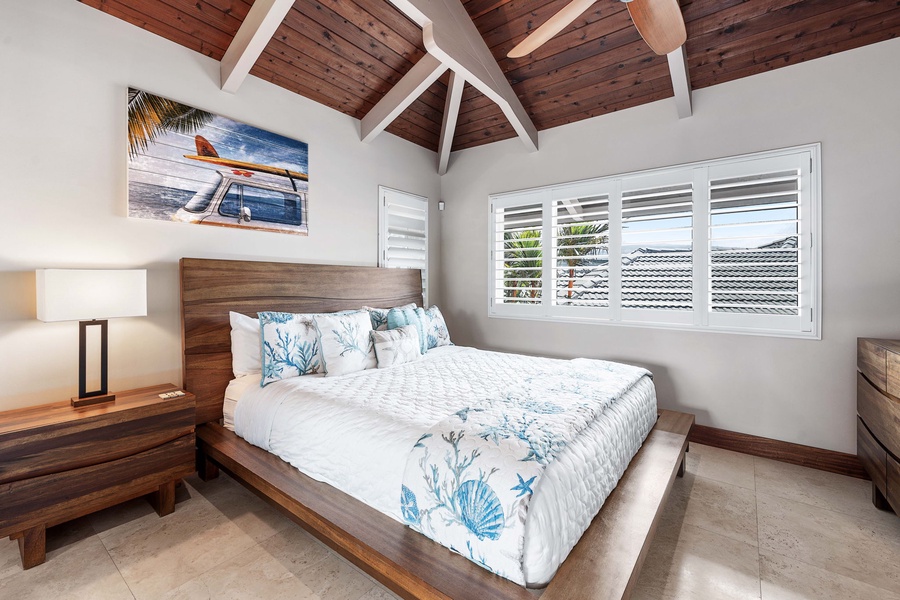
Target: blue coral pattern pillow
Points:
(379, 316)
(290, 346)
(436, 333)
(400, 317)
(396, 346)
(346, 342)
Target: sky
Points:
(164, 164)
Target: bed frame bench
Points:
(603, 565)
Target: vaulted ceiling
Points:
(347, 54)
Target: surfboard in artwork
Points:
(192, 166)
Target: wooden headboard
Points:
(211, 288)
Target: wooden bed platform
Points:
(604, 564)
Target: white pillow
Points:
(345, 342)
(245, 353)
(397, 346)
(436, 333)
(379, 315)
(290, 346)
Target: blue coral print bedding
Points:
(469, 478)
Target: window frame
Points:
(701, 318)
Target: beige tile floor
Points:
(735, 527)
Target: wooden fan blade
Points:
(554, 25)
(660, 23)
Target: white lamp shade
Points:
(83, 294)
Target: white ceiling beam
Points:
(681, 81)
(451, 115)
(451, 36)
(417, 80)
(251, 39)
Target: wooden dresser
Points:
(878, 418)
(58, 462)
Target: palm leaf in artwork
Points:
(150, 116)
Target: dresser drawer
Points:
(880, 413)
(893, 374)
(871, 455)
(893, 484)
(871, 360)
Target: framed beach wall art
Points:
(191, 166)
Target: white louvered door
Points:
(403, 232)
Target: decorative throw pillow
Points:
(436, 333)
(245, 354)
(290, 346)
(396, 346)
(346, 343)
(399, 317)
(379, 315)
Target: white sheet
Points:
(233, 393)
(355, 431)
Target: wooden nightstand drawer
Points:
(56, 438)
(880, 413)
(56, 498)
(58, 463)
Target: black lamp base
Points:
(91, 400)
(86, 398)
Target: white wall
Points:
(66, 67)
(65, 70)
(796, 390)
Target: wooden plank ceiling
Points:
(347, 54)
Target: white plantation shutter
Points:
(403, 232)
(657, 249)
(760, 269)
(580, 251)
(517, 250)
(725, 245)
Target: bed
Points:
(604, 563)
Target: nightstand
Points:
(58, 463)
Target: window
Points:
(403, 232)
(657, 273)
(726, 245)
(580, 251)
(273, 206)
(519, 275)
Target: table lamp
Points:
(91, 297)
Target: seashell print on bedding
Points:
(469, 479)
(479, 509)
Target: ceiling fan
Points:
(659, 22)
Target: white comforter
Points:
(356, 431)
